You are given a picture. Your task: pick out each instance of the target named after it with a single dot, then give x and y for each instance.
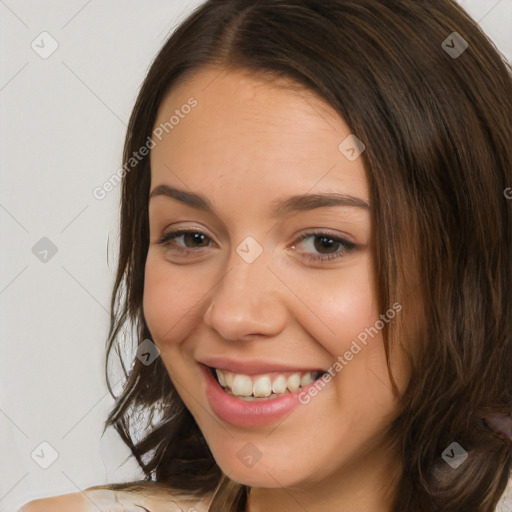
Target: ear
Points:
(500, 424)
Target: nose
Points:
(247, 301)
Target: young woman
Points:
(316, 261)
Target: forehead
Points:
(245, 130)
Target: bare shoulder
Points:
(75, 502)
(133, 497)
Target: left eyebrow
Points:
(280, 207)
(283, 207)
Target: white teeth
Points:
(242, 385)
(220, 376)
(263, 386)
(228, 377)
(293, 382)
(307, 378)
(279, 385)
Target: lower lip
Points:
(243, 413)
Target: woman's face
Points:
(242, 292)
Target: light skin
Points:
(246, 145)
(103, 500)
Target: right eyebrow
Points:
(196, 201)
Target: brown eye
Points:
(191, 239)
(328, 246)
(194, 239)
(326, 243)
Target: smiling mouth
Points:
(265, 386)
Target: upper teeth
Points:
(266, 384)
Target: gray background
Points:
(62, 120)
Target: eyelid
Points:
(177, 232)
(310, 231)
(327, 231)
(184, 229)
(347, 246)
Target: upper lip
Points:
(253, 366)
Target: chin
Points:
(263, 466)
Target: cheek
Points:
(346, 322)
(341, 306)
(350, 312)
(168, 301)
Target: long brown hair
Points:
(435, 117)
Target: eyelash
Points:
(167, 239)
